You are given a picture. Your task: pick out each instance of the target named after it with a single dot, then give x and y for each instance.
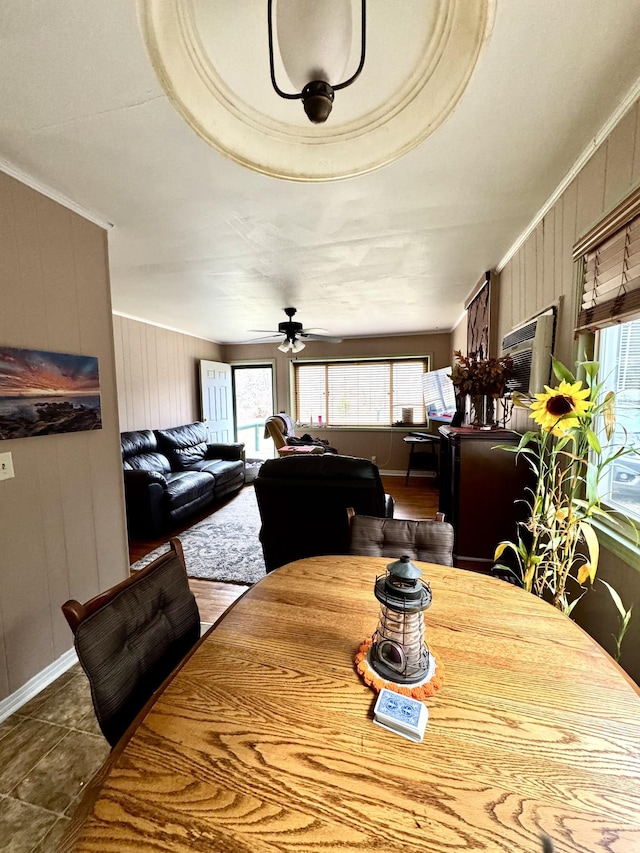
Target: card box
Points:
(401, 714)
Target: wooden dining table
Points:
(263, 740)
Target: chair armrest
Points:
(229, 452)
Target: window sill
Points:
(619, 542)
(324, 427)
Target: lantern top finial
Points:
(404, 568)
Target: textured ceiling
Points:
(203, 245)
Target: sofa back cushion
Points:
(140, 451)
(148, 462)
(183, 445)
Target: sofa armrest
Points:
(140, 478)
(228, 452)
(144, 492)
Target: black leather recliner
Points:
(303, 504)
(170, 474)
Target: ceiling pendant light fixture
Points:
(211, 58)
(312, 60)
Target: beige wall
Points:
(158, 375)
(459, 338)
(542, 274)
(385, 444)
(62, 526)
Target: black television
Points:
(439, 396)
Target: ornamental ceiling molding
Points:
(425, 96)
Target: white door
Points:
(215, 397)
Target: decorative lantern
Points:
(398, 651)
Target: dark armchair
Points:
(303, 504)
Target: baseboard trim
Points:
(47, 676)
(43, 679)
(428, 475)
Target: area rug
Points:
(224, 546)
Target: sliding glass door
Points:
(253, 400)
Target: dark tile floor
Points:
(49, 750)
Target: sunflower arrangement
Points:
(556, 553)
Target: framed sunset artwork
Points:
(45, 393)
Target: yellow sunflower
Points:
(558, 409)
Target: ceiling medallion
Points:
(212, 59)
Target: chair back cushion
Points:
(134, 641)
(303, 504)
(183, 445)
(276, 428)
(427, 541)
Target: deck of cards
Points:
(401, 714)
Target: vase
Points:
(480, 411)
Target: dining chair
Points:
(430, 540)
(132, 636)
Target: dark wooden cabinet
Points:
(482, 489)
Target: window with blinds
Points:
(372, 392)
(619, 357)
(610, 264)
(611, 273)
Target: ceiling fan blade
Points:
(269, 338)
(266, 331)
(314, 331)
(329, 339)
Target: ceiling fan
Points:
(295, 335)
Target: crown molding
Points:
(604, 132)
(167, 328)
(24, 178)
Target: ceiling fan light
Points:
(285, 346)
(297, 346)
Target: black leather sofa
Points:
(303, 503)
(169, 474)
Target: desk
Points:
(264, 742)
(430, 444)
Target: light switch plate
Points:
(6, 466)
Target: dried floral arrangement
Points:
(476, 376)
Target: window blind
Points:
(611, 271)
(360, 393)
